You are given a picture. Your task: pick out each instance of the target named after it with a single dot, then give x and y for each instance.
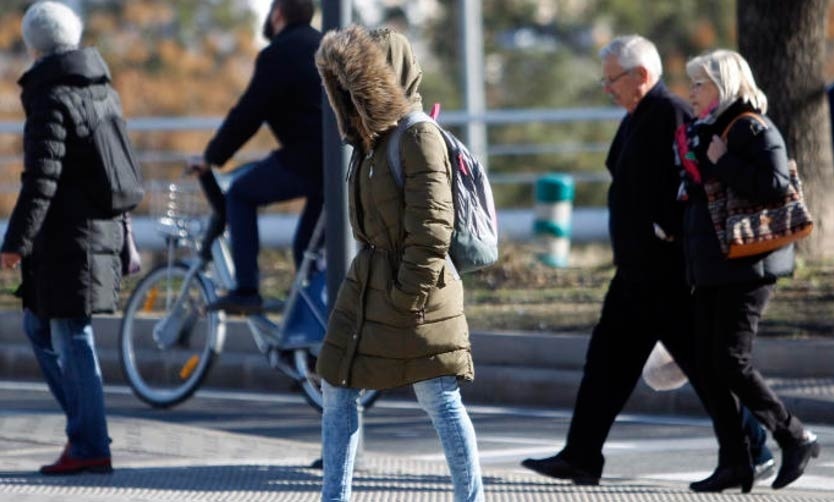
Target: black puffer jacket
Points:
(71, 264)
(756, 166)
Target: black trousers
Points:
(635, 315)
(726, 322)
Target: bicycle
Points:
(168, 342)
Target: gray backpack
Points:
(475, 236)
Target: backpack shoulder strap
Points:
(755, 116)
(403, 125)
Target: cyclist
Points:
(284, 92)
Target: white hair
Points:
(731, 75)
(633, 51)
(50, 27)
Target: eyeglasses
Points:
(696, 85)
(609, 81)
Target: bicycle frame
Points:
(306, 303)
(291, 345)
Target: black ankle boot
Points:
(726, 477)
(795, 458)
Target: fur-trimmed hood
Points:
(371, 80)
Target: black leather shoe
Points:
(557, 467)
(794, 460)
(237, 304)
(726, 477)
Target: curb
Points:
(512, 368)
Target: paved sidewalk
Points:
(527, 369)
(156, 461)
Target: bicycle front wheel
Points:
(305, 365)
(167, 341)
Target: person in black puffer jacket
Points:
(749, 156)
(68, 250)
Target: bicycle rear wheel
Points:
(305, 365)
(166, 346)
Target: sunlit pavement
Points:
(224, 446)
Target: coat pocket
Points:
(404, 303)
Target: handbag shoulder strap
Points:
(740, 116)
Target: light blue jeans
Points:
(66, 353)
(440, 398)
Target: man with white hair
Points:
(67, 247)
(648, 298)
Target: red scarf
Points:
(688, 160)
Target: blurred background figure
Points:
(68, 250)
(284, 92)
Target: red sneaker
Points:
(69, 465)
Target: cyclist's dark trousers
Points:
(635, 315)
(268, 181)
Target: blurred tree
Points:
(784, 42)
(543, 54)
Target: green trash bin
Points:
(552, 225)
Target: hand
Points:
(9, 260)
(717, 149)
(197, 166)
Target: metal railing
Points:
(447, 118)
(517, 221)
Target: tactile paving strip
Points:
(165, 462)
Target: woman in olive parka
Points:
(398, 318)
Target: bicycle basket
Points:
(179, 208)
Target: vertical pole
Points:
(338, 240)
(472, 44)
(339, 243)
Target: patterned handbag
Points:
(746, 228)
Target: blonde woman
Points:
(732, 141)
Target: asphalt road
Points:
(640, 448)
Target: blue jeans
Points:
(440, 398)
(268, 181)
(66, 353)
(757, 437)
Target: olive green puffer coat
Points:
(398, 318)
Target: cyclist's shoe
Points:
(273, 305)
(236, 303)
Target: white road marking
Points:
(28, 451)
